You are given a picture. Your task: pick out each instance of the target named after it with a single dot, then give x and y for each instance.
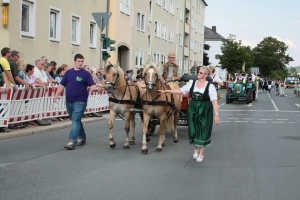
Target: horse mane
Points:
(118, 68)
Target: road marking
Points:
(241, 114)
(259, 122)
(278, 122)
(292, 122)
(221, 105)
(240, 121)
(248, 118)
(297, 104)
(273, 103)
(282, 119)
(265, 119)
(298, 111)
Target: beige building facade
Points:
(145, 31)
(53, 28)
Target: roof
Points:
(204, 2)
(210, 35)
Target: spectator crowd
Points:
(15, 71)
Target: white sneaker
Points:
(200, 158)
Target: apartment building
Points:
(53, 28)
(145, 31)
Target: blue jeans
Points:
(76, 110)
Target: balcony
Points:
(186, 51)
(187, 4)
(187, 29)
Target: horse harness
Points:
(121, 101)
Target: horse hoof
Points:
(144, 151)
(148, 140)
(113, 145)
(132, 142)
(125, 147)
(158, 150)
(175, 141)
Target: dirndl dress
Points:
(200, 118)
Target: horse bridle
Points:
(150, 82)
(113, 84)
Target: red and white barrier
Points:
(37, 103)
(5, 105)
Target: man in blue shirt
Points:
(76, 81)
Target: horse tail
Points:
(170, 124)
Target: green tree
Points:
(270, 55)
(234, 54)
(292, 70)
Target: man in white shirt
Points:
(253, 77)
(39, 73)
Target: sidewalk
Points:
(55, 125)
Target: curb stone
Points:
(32, 130)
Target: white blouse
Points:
(211, 90)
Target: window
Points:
(184, 64)
(181, 14)
(177, 26)
(172, 7)
(165, 4)
(76, 26)
(150, 11)
(163, 58)
(124, 6)
(192, 44)
(193, 22)
(140, 21)
(55, 21)
(149, 44)
(180, 40)
(28, 18)
(159, 2)
(156, 57)
(93, 34)
(157, 29)
(139, 57)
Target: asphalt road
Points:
(254, 154)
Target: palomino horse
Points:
(165, 107)
(122, 99)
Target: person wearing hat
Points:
(169, 71)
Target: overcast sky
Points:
(253, 20)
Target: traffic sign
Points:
(102, 19)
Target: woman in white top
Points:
(200, 118)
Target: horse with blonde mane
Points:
(123, 98)
(164, 107)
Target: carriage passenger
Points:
(203, 104)
(169, 71)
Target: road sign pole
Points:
(101, 63)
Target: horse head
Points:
(150, 76)
(113, 77)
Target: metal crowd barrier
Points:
(37, 103)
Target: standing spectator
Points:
(48, 69)
(76, 79)
(45, 59)
(194, 68)
(101, 78)
(66, 67)
(59, 74)
(53, 68)
(6, 54)
(29, 74)
(39, 73)
(138, 75)
(269, 85)
(15, 71)
(86, 67)
(130, 75)
(203, 104)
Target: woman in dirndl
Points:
(202, 111)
